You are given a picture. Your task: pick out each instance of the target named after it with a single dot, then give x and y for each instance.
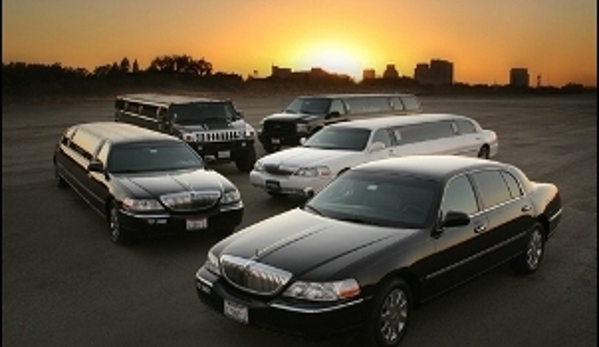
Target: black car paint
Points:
(432, 260)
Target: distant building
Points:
(368, 74)
(519, 77)
(281, 72)
(390, 72)
(438, 72)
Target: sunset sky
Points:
(556, 39)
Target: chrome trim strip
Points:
(474, 256)
(318, 310)
(555, 215)
(144, 216)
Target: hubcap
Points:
(394, 316)
(535, 249)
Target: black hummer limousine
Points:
(212, 127)
(308, 114)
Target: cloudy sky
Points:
(556, 39)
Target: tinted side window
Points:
(397, 104)
(512, 184)
(426, 131)
(132, 107)
(368, 105)
(382, 135)
(337, 106)
(459, 196)
(492, 187)
(149, 111)
(465, 126)
(411, 103)
(85, 144)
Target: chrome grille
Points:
(190, 201)
(220, 136)
(252, 276)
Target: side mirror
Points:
(376, 146)
(455, 219)
(95, 166)
(302, 140)
(239, 114)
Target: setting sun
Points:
(334, 58)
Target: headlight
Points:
(230, 197)
(141, 205)
(302, 128)
(249, 132)
(189, 137)
(316, 171)
(212, 264)
(258, 166)
(325, 291)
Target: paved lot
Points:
(65, 284)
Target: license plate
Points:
(275, 141)
(273, 185)
(236, 312)
(195, 224)
(224, 154)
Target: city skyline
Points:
(554, 39)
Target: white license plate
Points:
(224, 154)
(195, 224)
(275, 141)
(236, 312)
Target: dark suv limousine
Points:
(308, 114)
(144, 182)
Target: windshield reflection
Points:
(152, 157)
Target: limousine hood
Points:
(304, 157)
(159, 183)
(299, 241)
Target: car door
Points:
(426, 138)
(456, 248)
(98, 181)
(509, 213)
(385, 137)
(469, 139)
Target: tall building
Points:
(438, 72)
(281, 72)
(519, 77)
(390, 72)
(368, 74)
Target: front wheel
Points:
(117, 233)
(390, 315)
(246, 159)
(530, 259)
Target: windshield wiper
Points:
(314, 209)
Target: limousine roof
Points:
(166, 99)
(393, 120)
(436, 167)
(355, 95)
(117, 132)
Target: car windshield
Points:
(350, 139)
(377, 199)
(309, 106)
(202, 112)
(148, 157)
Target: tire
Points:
(390, 316)
(532, 254)
(484, 152)
(245, 160)
(59, 180)
(118, 235)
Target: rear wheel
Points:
(390, 315)
(246, 159)
(58, 180)
(530, 259)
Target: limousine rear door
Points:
(389, 145)
(427, 138)
(470, 140)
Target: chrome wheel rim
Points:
(394, 316)
(114, 223)
(535, 249)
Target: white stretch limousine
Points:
(338, 147)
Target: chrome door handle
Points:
(526, 208)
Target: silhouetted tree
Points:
(135, 68)
(125, 65)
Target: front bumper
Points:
(304, 319)
(224, 152)
(223, 218)
(286, 185)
